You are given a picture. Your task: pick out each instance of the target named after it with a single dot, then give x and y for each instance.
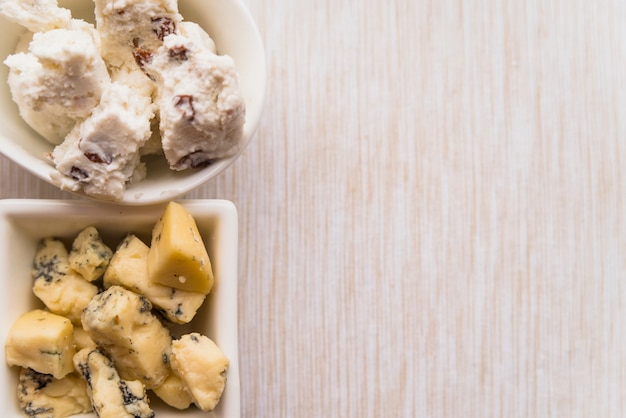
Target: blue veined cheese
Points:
(202, 367)
(89, 256)
(51, 260)
(111, 396)
(173, 392)
(122, 324)
(63, 291)
(42, 396)
(129, 268)
(43, 342)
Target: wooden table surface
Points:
(432, 212)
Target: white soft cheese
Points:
(101, 154)
(36, 15)
(58, 81)
(125, 25)
(202, 110)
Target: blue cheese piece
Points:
(122, 324)
(129, 268)
(110, 395)
(202, 367)
(51, 260)
(42, 396)
(42, 341)
(174, 393)
(63, 291)
(126, 26)
(89, 256)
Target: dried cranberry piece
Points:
(184, 103)
(78, 174)
(163, 26)
(178, 53)
(142, 57)
(97, 149)
(97, 158)
(196, 159)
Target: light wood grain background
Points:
(432, 210)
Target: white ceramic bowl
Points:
(23, 223)
(232, 28)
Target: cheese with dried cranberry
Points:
(201, 108)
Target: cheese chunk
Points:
(111, 396)
(100, 155)
(43, 342)
(129, 268)
(42, 396)
(178, 257)
(51, 260)
(201, 117)
(173, 393)
(123, 326)
(63, 291)
(128, 25)
(89, 255)
(59, 80)
(36, 15)
(82, 338)
(202, 366)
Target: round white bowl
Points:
(235, 33)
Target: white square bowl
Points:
(23, 223)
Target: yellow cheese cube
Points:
(43, 342)
(178, 257)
